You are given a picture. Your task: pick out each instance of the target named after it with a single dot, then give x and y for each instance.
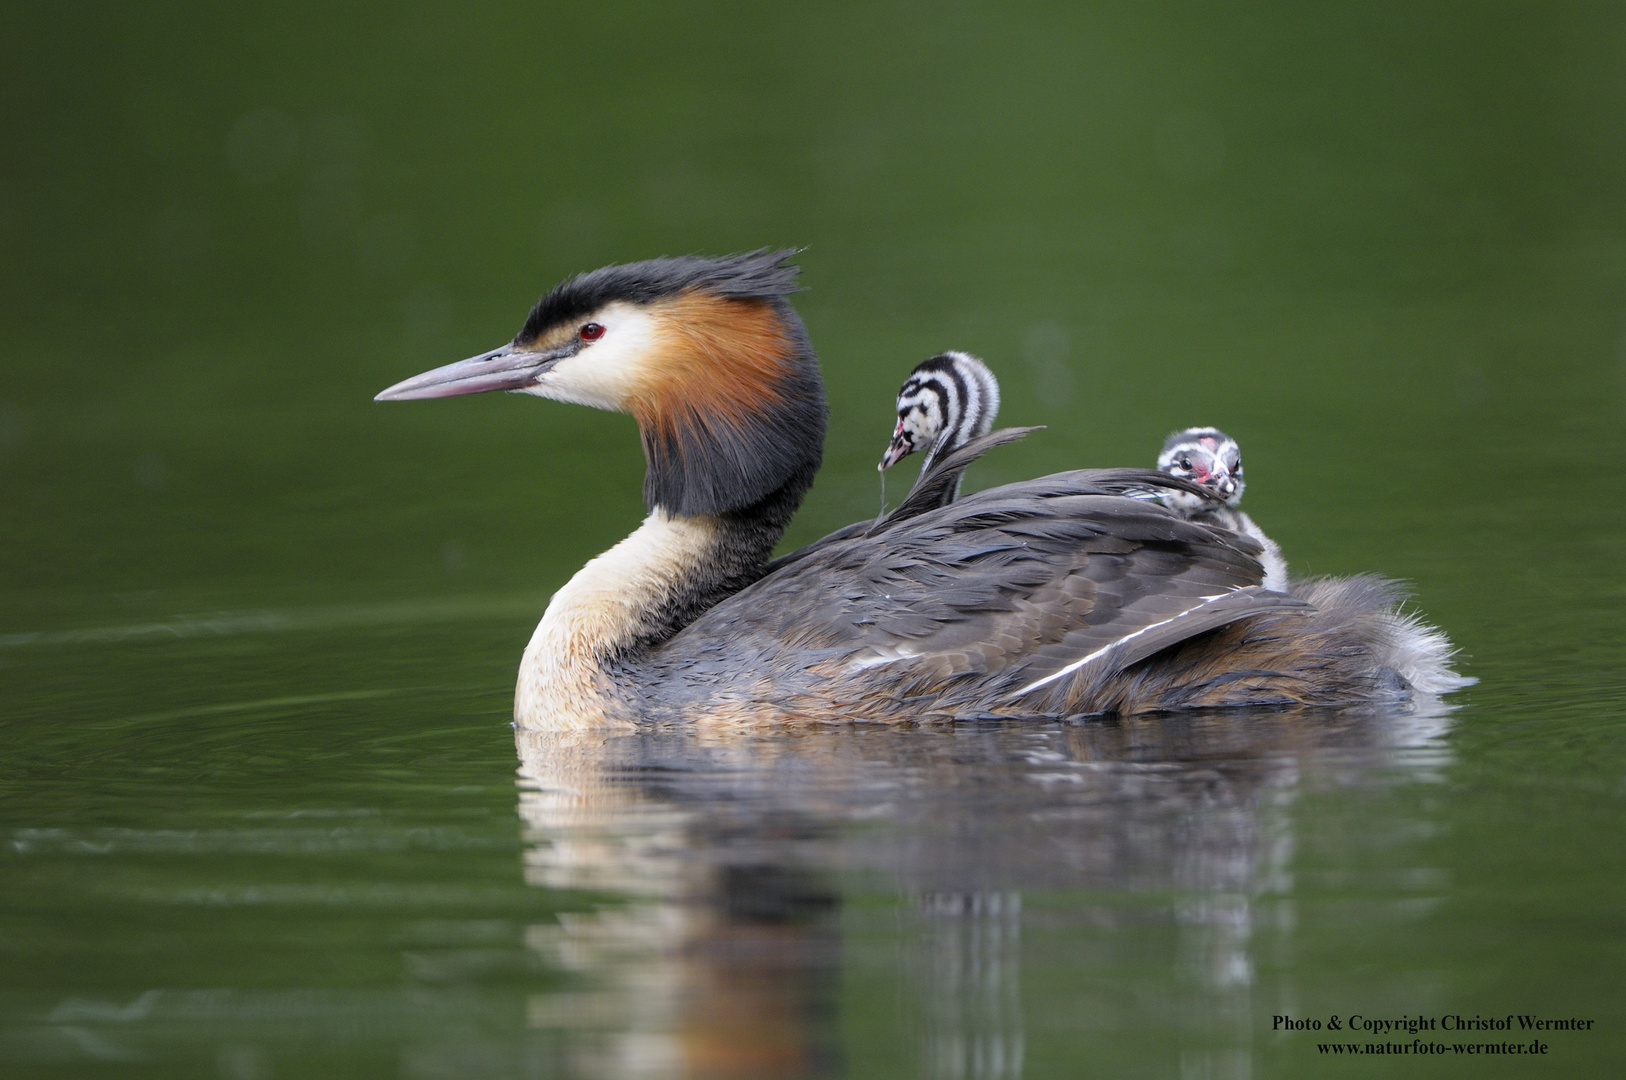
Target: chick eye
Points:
(1184, 463)
(591, 332)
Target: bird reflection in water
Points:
(1161, 847)
(722, 956)
(972, 970)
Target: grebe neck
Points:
(583, 663)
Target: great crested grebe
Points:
(1051, 597)
(1208, 456)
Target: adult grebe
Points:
(1052, 597)
(1208, 456)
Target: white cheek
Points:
(930, 423)
(605, 373)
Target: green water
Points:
(261, 814)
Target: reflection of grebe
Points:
(1046, 597)
(973, 1002)
(992, 880)
(721, 959)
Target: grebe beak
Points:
(506, 368)
(902, 446)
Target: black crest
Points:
(763, 274)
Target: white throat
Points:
(612, 604)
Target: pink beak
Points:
(902, 446)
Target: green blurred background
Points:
(1382, 244)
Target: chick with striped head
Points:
(945, 403)
(1208, 456)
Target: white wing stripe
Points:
(1076, 664)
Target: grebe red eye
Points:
(591, 332)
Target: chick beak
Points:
(903, 444)
(506, 368)
(1226, 485)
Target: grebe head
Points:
(945, 402)
(706, 354)
(1205, 456)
